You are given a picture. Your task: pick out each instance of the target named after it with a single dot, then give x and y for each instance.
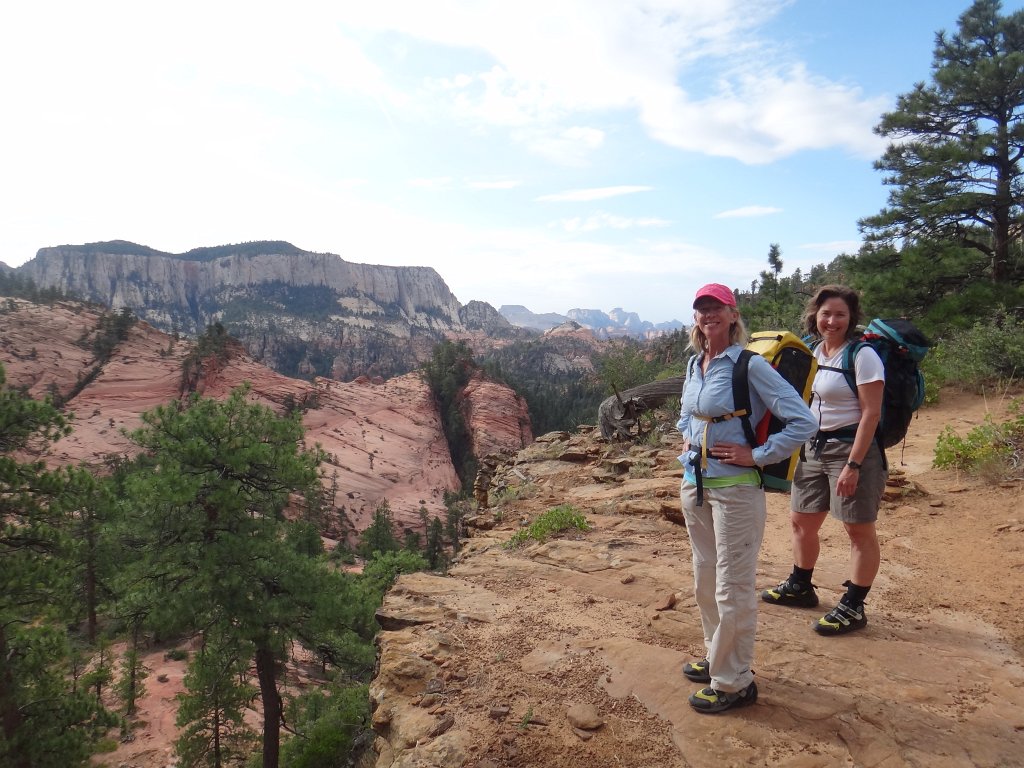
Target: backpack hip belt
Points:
(708, 421)
(699, 462)
(843, 434)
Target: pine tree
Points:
(45, 717)
(210, 507)
(210, 713)
(435, 545)
(379, 537)
(955, 162)
(133, 672)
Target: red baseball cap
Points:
(716, 291)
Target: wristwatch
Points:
(853, 464)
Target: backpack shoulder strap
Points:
(849, 369)
(850, 362)
(741, 394)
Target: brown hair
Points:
(825, 293)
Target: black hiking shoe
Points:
(709, 701)
(841, 619)
(698, 671)
(795, 595)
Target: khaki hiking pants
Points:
(725, 535)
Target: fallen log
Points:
(618, 414)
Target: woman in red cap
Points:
(722, 498)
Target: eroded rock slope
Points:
(492, 664)
(383, 438)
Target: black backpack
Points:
(901, 346)
(792, 358)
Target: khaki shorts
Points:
(814, 484)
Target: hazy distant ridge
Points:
(618, 322)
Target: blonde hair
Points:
(737, 333)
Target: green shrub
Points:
(988, 354)
(989, 448)
(342, 554)
(554, 521)
(383, 568)
(326, 724)
(105, 745)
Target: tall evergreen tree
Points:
(954, 164)
(45, 718)
(435, 545)
(211, 507)
(130, 686)
(210, 712)
(775, 264)
(93, 551)
(380, 534)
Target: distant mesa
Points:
(604, 325)
(520, 316)
(304, 314)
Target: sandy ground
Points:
(936, 679)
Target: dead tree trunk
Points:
(618, 414)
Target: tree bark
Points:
(267, 673)
(216, 736)
(619, 413)
(90, 585)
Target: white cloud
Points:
(571, 147)
(763, 117)
(587, 195)
(608, 221)
(748, 212)
(549, 62)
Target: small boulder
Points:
(584, 717)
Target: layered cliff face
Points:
(383, 439)
(301, 313)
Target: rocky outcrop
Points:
(497, 419)
(567, 652)
(301, 313)
(383, 439)
(520, 316)
(481, 316)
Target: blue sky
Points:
(557, 154)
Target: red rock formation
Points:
(383, 440)
(497, 418)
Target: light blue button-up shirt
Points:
(710, 395)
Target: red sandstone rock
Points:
(383, 440)
(497, 417)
